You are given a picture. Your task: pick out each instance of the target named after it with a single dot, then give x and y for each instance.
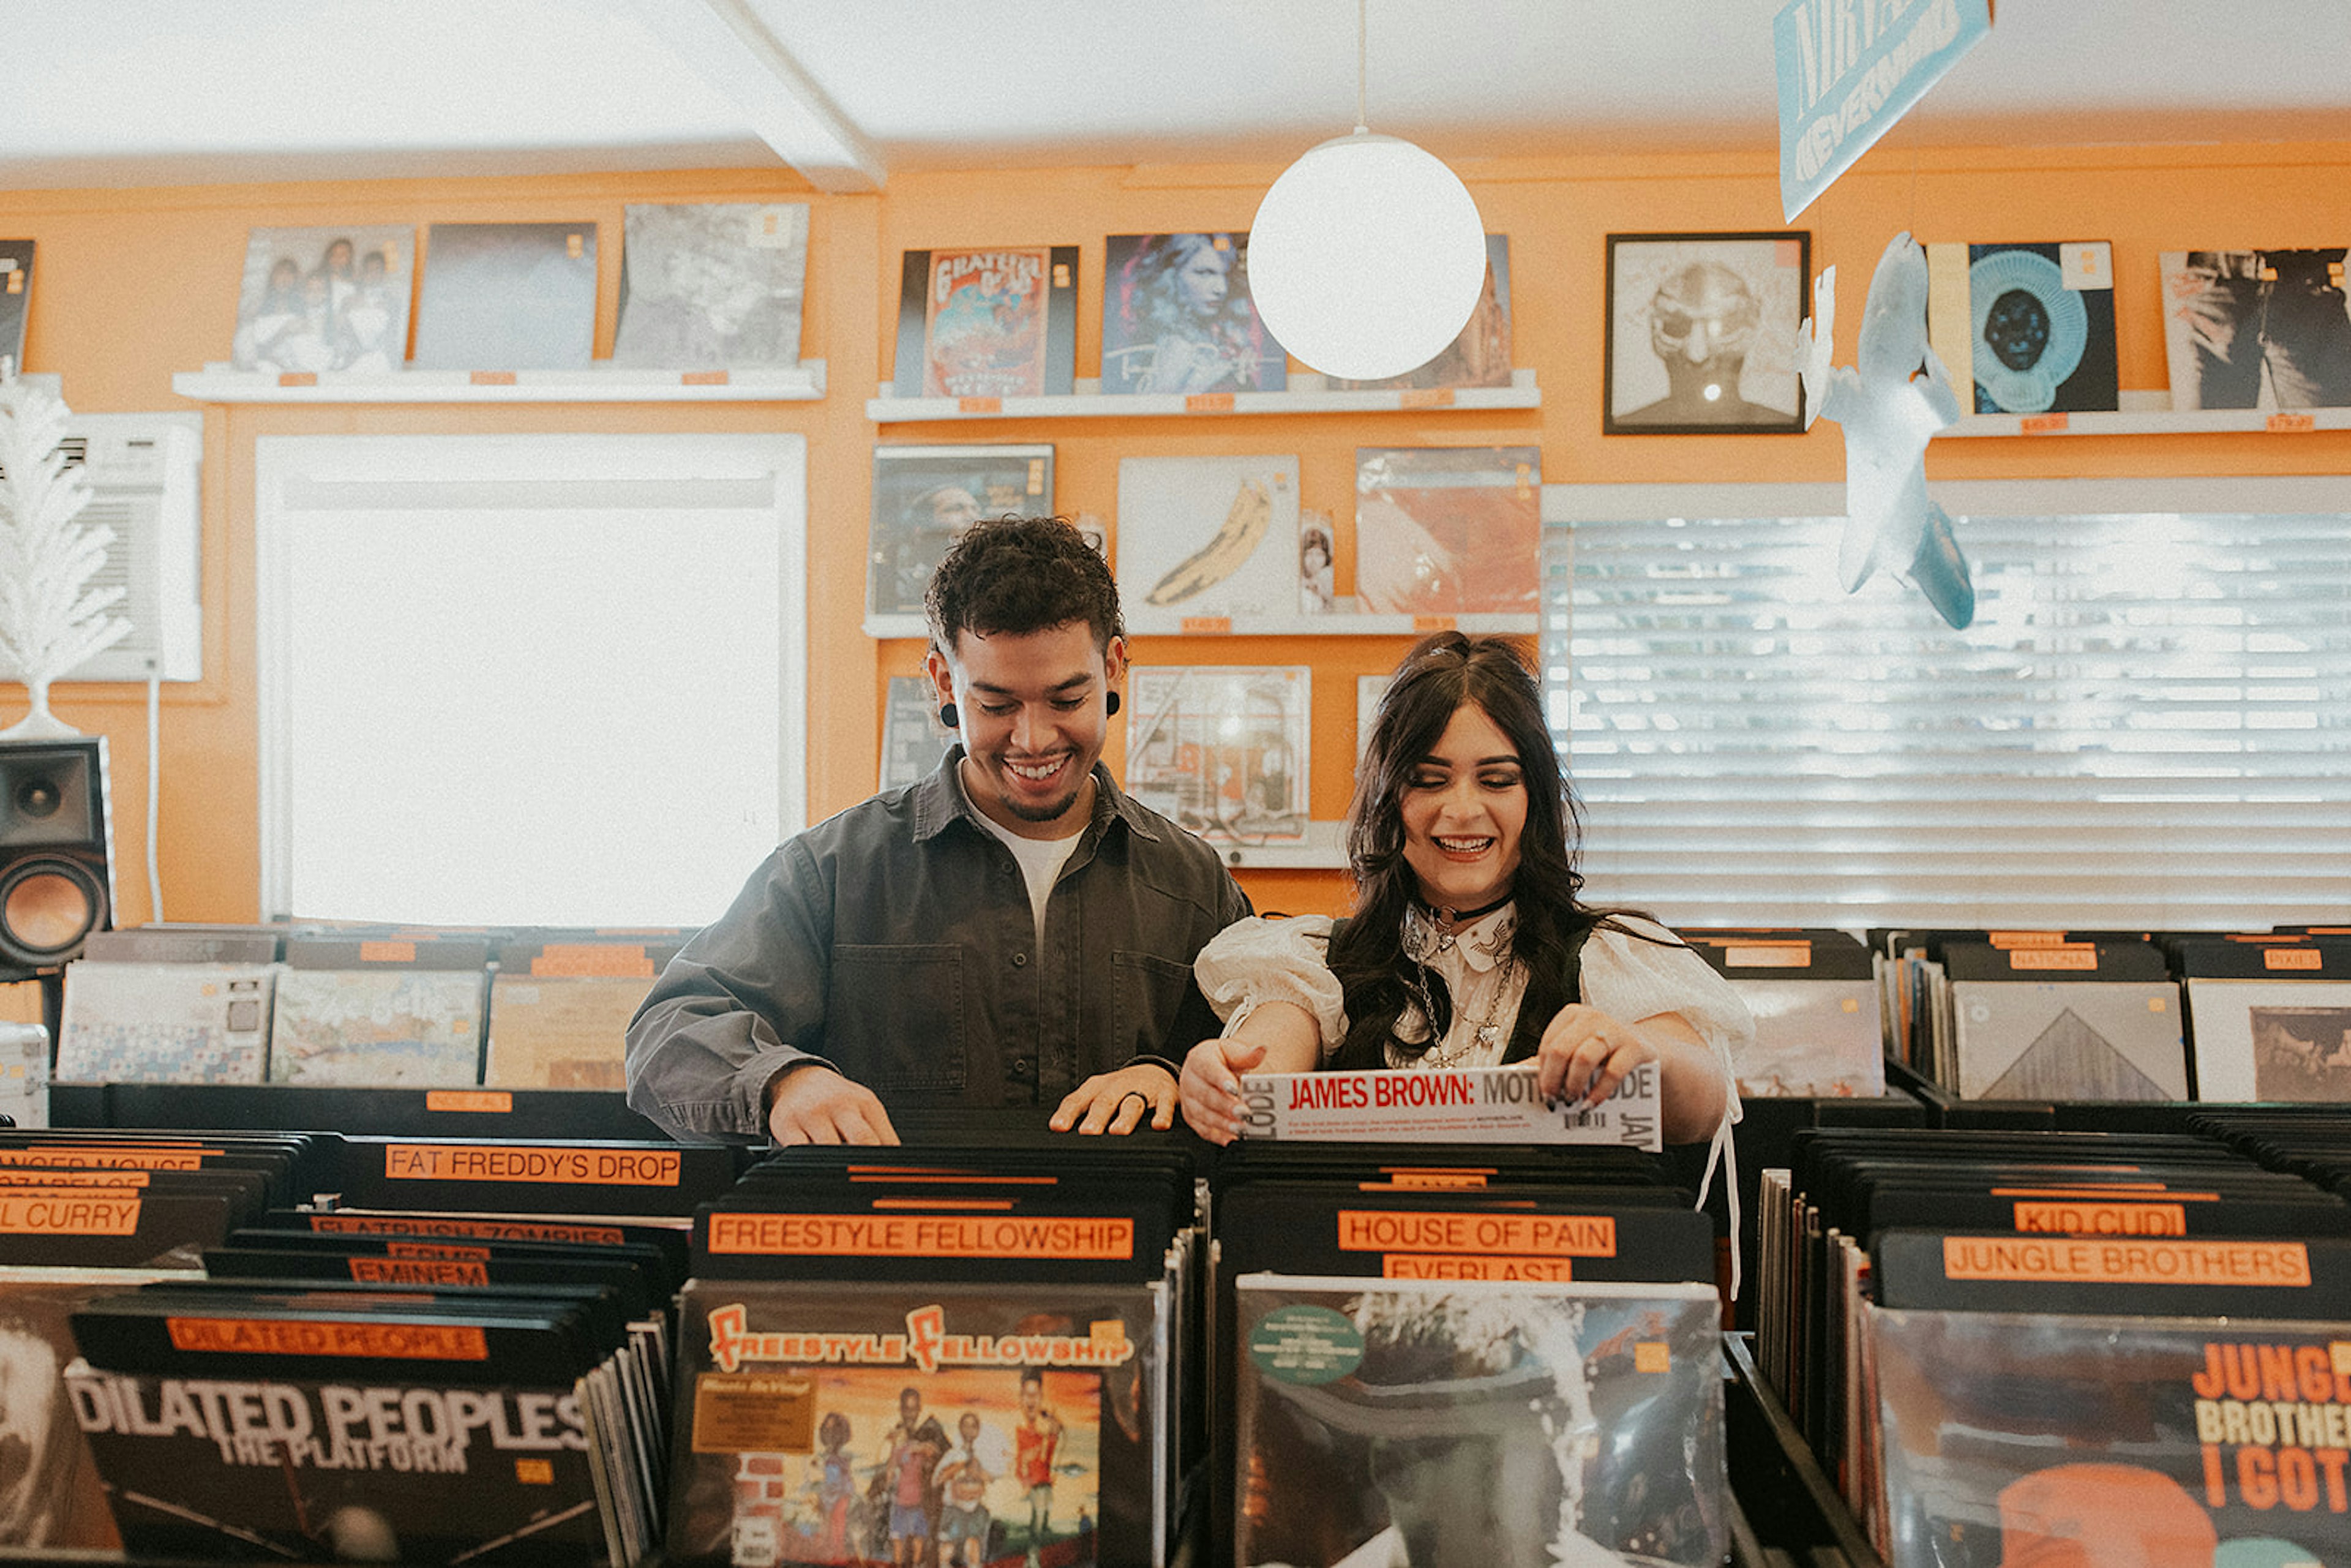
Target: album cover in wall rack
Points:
(2030, 326)
(1370, 690)
(712, 284)
(324, 298)
(987, 323)
(15, 297)
(913, 738)
(409, 1017)
(1448, 530)
(1222, 750)
(507, 297)
(1177, 316)
(165, 1022)
(924, 499)
(1481, 355)
(2256, 329)
(1208, 538)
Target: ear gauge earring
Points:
(949, 718)
(1110, 704)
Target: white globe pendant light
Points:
(1367, 256)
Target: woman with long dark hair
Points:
(1470, 945)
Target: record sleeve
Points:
(1481, 355)
(1177, 317)
(25, 1073)
(924, 499)
(712, 284)
(507, 297)
(165, 1023)
(15, 297)
(839, 1423)
(1222, 750)
(913, 741)
(324, 298)
(1477, 1423)
(2270, 1039)
(1212, 538)
(987, 323)
(382, 1013)
(558, 1012)
(52, 1496)
(2010, 1438)
(2256, 329)
(2038, 321)
(1446, 1105)
(1448, 530)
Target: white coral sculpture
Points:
(50, 618)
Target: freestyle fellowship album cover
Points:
(1448, 530)
(15, 297)
(2032, 325)
(2256, 329)
(913, 738)
(712, 284)
(1476, 1422)
(1213, 538)
(1221, 749)
(1177, 317)
(991, 323)
(507, 297)
(926, 497)
(1481, 355)
(324, 298)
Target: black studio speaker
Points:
(57, 857)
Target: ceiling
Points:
(129, 92)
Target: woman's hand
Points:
(1586, 1053)
(1210, 1089)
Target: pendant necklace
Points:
(1488, 1030)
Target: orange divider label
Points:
(493, 1100)
(2043, 423)
(44, 1212)
(1434, 623)
(702, 377)
(2079, 1219)
(2272, 1263)
(2026, 938)
(1528, 1235)
(282, 1336)
(49, 1176)
(387, 952)
(1206, 625)
(2291, 424)
(979, 405)
(482, 1229)
(2069, 956)
(435, 1250)
(493, 378)
(1424, 1181)
(419, 1271)
(297, 378)
(1208, 402)
(567, 1166)
(921, 1236)
(182, 1159)
(967, 1204)
(1424, 397)
(605, 960)
(1457, 1266)
(2107, 1192)
(2293, 959)
(1769, 955)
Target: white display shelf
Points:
(1325, 849)
(2151, 414)
(1333, 625)
(1306, 394)
(600, 384)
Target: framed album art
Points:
(1701, 336)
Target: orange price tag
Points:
(1206, 625)
(2044, 423)
(2026, 938)
(2293, 959)
(1769, 955)
(2291, 425)
(613, 959)
(1424, 397)
(1433, 622)
(701, 379)
(387, 952)
(1208, 402)
(496, 1100)
(297, 378)
(493, 378)
(979, 405)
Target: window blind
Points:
(2148, 725)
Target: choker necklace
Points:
(1456, 916)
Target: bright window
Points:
(2148, 724)
(513, 680)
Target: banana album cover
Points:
(1213, 538)
(1448, 530)
(1222, 750)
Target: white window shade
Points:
(510, 680)
(2148, 724)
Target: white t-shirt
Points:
(1041, 861)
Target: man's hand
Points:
(815, 1105)
(1117, 1101)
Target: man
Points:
(962, 1481)
(1034, 1442)
(904, 1482)
(1703, 319)
(1012, 930)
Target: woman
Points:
(1184, 321)
(1469, 946)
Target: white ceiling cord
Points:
(154, 787)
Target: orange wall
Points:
(134, 285)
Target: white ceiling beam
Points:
(732, 47)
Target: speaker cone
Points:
(47, 907)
